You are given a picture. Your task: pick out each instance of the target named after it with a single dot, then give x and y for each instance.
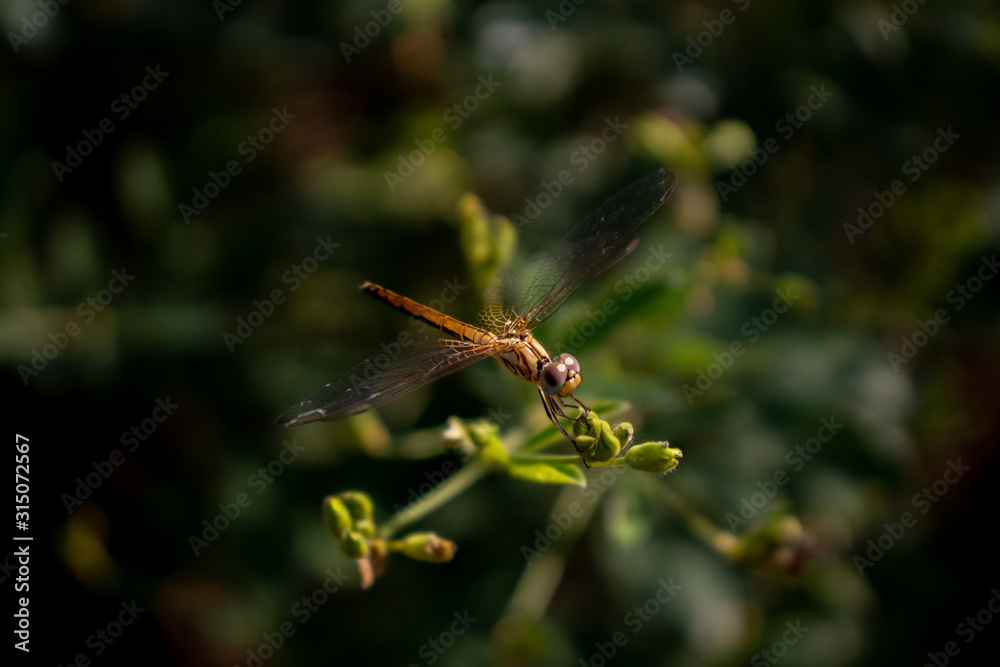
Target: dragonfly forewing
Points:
(381, 379)
(594, 245)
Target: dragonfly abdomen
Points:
(428, 315)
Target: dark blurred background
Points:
(192, 192)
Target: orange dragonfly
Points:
(597, 242)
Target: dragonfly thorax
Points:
(524, 356)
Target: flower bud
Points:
(624, 432)
(455, 434)
(491, 451)
(354, 544)
(358, 503)
(653, 457)
(366, 527)
(585, 425)
(585, 444)
(336, 516)
(429, 547)
(607, 446)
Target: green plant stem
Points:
(544, 458)
(435, 498)
(539, 580)
(700, 526)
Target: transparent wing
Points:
(380, 379)
(596, 244)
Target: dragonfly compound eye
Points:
(573, 377)
(572, 365)
(553, 377)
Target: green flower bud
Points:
(653, 457)
(585, 444)
(586, 425)
(607, 446)
(336, 516)
(428, 547)
(482, 431)
(491, 450)
(624, 432)
(494, 454)
(358, 503)
(366, 527)
(456, 435)
(354, 544)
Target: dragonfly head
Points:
(561, 377)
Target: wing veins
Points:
(360, 390)
(599, 241)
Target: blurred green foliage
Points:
(811, 318)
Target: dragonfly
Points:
(595, 244)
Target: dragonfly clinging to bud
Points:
(595, 244)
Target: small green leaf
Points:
(546, 437)
(609, 407)
(548, 473)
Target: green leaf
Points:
(609, 407)
(548, 473)
(547, 437)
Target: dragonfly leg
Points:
(554, 410)
(577, 403)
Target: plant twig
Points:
(435, 498)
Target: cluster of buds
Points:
(349, 516)
(595, 439)
(599, 444)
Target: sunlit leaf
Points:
(549, 473)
